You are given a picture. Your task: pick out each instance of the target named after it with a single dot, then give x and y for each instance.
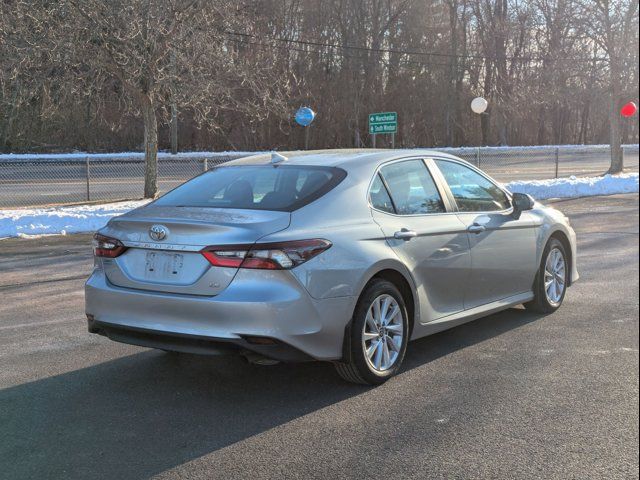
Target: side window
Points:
(472, 191)
(379, 197)
(412, 189)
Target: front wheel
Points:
(379, 335)
(551, 281)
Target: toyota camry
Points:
(340, 256)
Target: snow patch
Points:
(30, 222)
(574, 187)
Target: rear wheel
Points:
(379, 335)
(551, 281)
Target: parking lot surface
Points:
(513, 395)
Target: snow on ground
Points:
(574, 187)
(61, 220)
(89, 218)
(225, 155)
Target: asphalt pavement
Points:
(513, 395)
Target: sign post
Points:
(383, 123)
(304, 116)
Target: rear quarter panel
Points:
(359, 249)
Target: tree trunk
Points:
(452, 74)
(174, 128)
(584, 122)
(502, 126)
(541, 125)
(617, 162)
(485, 118)
(10, 117)
(150, 149)
(174, 107)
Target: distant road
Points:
(64, 180)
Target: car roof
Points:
(348, 159)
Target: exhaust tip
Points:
(260, 340)
(255, 359)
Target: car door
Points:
(503, 249)
(425, 233)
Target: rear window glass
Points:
(255, 187)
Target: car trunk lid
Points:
(164, 246)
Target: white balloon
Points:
(479, 105)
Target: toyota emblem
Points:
(158, 232)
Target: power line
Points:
(408, 52)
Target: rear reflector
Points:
(266, 256)
(107, 247)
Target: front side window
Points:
(255, 187)
(472, 191)
(412, 189)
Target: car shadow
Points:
(142, 414)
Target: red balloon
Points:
(629, 110)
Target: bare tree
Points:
(82, 73)
(613, 26)
(152, 54)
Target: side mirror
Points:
(521, 202)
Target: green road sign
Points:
(386, 122)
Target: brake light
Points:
(265, 256)
(108, 247)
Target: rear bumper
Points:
(268, 304)
(195, 344)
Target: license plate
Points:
(163, 265)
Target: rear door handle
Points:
(476, 228)
(405, 234)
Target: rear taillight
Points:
(108, 247)
(266, 256)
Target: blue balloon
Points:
(304, 116)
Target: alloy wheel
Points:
(383, 333)
(555, 276)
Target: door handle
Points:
(405, 234)
(476, 228)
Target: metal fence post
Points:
(88, 175)
(205, 164)
(557, 161)
(478, 157)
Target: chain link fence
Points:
(541, 163)
(40, 180)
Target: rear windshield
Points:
(255, 187)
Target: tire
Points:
(545, 302)
(386, 340)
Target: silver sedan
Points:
(340, 256)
